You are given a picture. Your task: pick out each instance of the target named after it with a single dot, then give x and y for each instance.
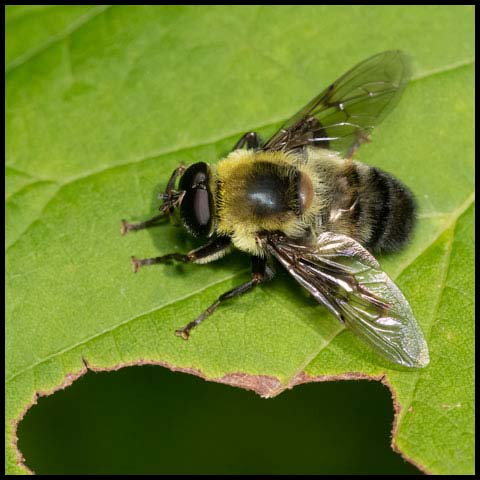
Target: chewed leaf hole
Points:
(149, 420)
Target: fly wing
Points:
(344, 114)
(346, 278)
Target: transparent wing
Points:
(344, 277)
(345, 113)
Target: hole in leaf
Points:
(149, 420)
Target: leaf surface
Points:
(103, 103)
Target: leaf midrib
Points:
(223, 137)
(164, 152)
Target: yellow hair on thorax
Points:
(236, 219)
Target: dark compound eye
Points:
(195, 174)
(196, 205)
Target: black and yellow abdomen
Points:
(366, 203)
(391, 207)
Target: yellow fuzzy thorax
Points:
(235, 218)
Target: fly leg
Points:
(170, 199)
(128, 227)
(260, 273)
(217, 248)
(362, 137)
(251, 140)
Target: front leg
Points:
(213, 250)
(171, 198)
(260, 273)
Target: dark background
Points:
(150, 420)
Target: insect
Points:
(301, 199)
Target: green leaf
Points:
(103, 103)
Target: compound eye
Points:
(195, 211)
(201, 206)
(193, 176)
(196, 205)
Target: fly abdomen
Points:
(390, 209)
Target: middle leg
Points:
(213, 250)
(250, 139)
(261, 272)
(362, 137)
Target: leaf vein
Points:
(54, 39)
(428, 334)
(118, 325)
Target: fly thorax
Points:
(262, 191)
(267, 194)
